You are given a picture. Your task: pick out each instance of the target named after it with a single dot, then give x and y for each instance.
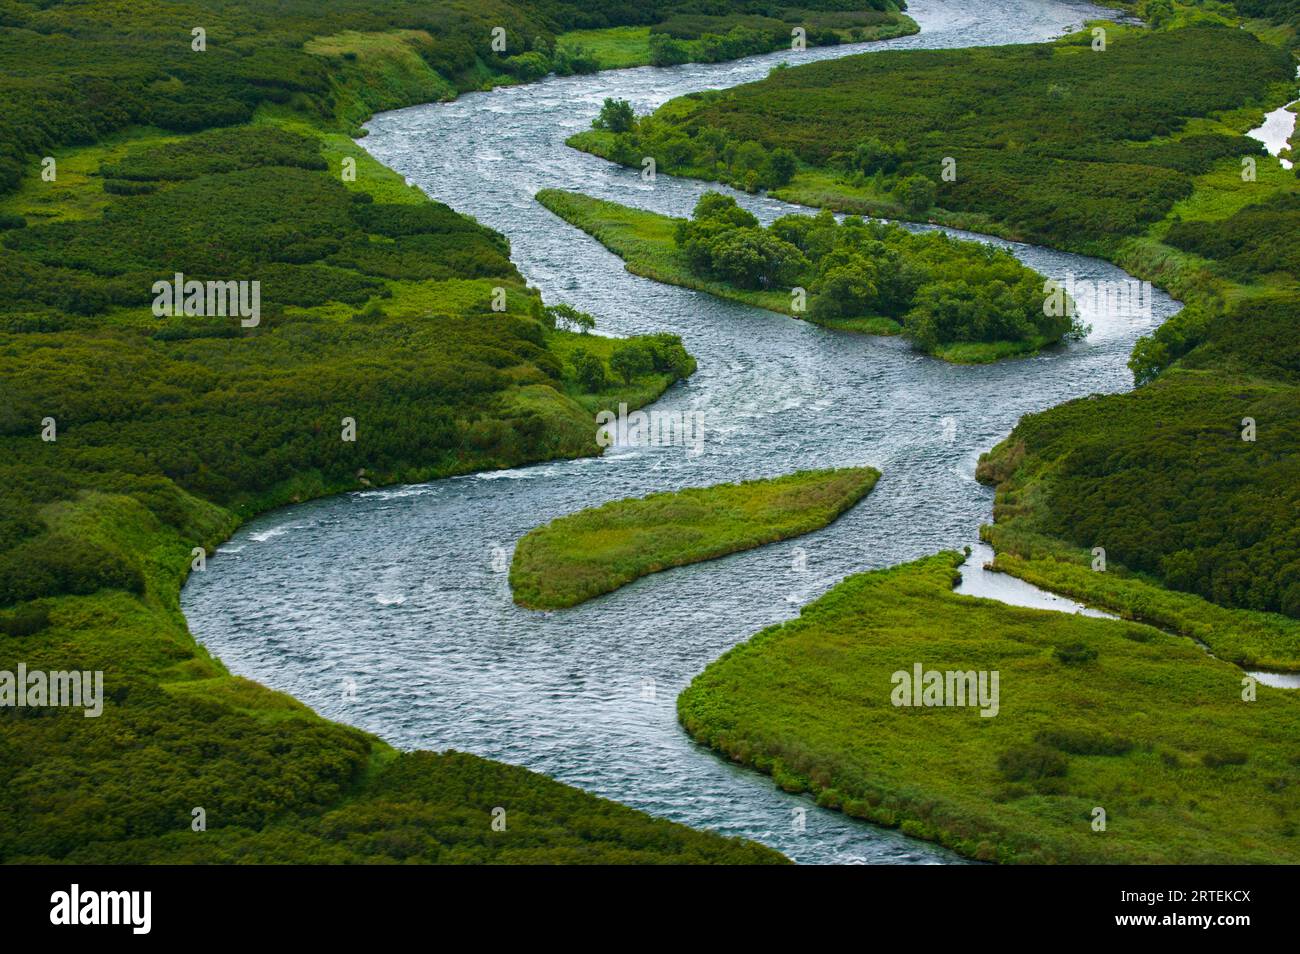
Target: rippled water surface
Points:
(394, 590)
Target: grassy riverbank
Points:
(1052, 143)
(595, 551)
(861, 277)
(696, 38)
(395, 342)
(1092, 714)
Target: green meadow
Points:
(1092, 716)
(582, 555)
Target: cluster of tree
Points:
(1073, 150)
(650, 354)
(747, 165)
(940, 290)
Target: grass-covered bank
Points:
(395, 341)
(1055, 143)
(582, 555)
(1091, 714)
(957, 300)
(712, 38)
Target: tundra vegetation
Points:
(1136, 153)
(1093, 714)
(133, 444)
(582, 555)
(1174, 503)
(957, 300)
(684, 36)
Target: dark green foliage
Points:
(1059, 144)
(1074, 654)
(588, 371)
(568, 318)
(940, 290)
(616, 116)
(25, 620)
(630, 361)
(1163, 479)
(293, 228)
(1222, 757)
(1080, 742)
(1029, 763)
(1253, 243)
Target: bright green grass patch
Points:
(595, 551)
(1150, 728)
(614, 48)
(378, 71)
(644, 240)
(77, 190)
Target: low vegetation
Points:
(1051, 143)
(686, 37)
(395, 342)
(1092, 716)
(582, 555)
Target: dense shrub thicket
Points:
(1252, 243)
(128, 440)
(1058, 143)
(939, 289)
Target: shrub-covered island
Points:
(573, 558)
(1030, 736)
(957, 300)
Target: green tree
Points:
(630, 361)
(616, 116)
(588, 371)
(917, 193)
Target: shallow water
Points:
(1275, 132)
(387, 609)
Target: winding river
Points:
(386, 609)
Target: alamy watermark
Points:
(930, 687)
(38, 689)
(208, 299)
(1128, 298)
(653, 428)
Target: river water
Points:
(387, 609)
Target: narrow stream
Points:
(387, 609)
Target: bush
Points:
(1031, 762)
(616, 116)
(1222, 757)
(1075, 654)
(588, 371)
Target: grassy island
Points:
(1090, 716)
(961, 301)
(573, 558)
